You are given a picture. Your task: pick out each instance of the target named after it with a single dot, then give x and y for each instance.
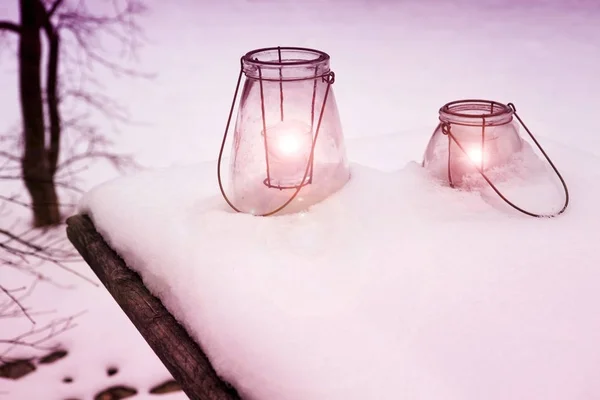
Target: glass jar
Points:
(472, 136)
(288, 146)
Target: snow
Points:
(395, 286)
(102, 337)
(483, 326)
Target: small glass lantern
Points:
(475, 136)
(288, 148)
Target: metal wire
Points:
(328, 78)
(237, 89)
(446, 129)
(264, 123)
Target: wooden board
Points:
(182, 356)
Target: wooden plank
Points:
(182, 356)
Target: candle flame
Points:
(476, 155)
(288, 144)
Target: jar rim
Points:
(319, 57)
(476, 112)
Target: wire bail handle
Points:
(446, 130)
(329, 79)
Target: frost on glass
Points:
(268, 165)
(487, 133)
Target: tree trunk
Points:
(35, 164)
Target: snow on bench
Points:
(393, 288)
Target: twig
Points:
(18, 303)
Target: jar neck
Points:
(285, 63)
(476, 113)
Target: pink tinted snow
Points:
(395, 287)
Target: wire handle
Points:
(328, 78)
(446, 131)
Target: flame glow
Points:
(475, 155)
(289, 141)
(288, 144)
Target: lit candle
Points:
(476, 155)
(289, 145)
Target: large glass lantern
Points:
(474, 137)
(288, 147)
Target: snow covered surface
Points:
(396, 63)
(395, 287)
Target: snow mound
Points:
(396, 287)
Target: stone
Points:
(16, 369)
(53, 357)
(116, 393)
(169, 386)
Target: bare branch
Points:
(36, 338)
(17, 302)
(15, 200)
(65, 140)
(10, 27)
(9, 156)
(53, 8)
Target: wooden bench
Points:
(183, 357)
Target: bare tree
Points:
(59, 50)
(71, 33)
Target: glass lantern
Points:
(288, 147)
(475, 136)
